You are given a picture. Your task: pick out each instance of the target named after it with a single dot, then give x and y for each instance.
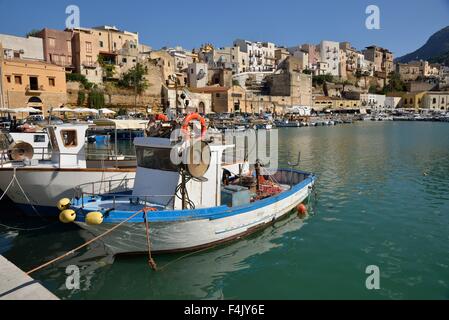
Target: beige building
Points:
(382, 58)
(34, 84)
(289, 81)
(438, 101)
(85, 47)
(225, 99)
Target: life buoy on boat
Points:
(188, 119)
(162, 117)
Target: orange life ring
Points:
(162, 117)
(188, 119)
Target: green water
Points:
(383, 199)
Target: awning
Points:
(122, 124)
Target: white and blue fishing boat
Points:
(187, 206)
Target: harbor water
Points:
(382, 199)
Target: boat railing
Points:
(93, 189)
(47, 155)
(118, 191)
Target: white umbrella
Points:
(82, 110)
(107, 111)
(63, 109)
(27, 110)
(93, 111)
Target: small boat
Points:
(187, 206)
(54, 174)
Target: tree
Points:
(33, 33)
(108, 68)
(77, 77)
(395, 84)
(95, 100)
(135, 79)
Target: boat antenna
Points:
(293, 165)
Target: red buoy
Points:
(302, 209)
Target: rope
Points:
(151, 262)
(26, 229)
(14, 178)
(83, 245)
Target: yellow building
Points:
(413, 100)
(34, 84)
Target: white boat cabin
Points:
(158, 179)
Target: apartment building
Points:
(57, 47)
(382, 59)
(437, 101)
(261, 55)
(29, 48)
(330, 53)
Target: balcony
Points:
(89, 64)
(34, 89)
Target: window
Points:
(217, 95)
(18, 80)
(39, 138)
(51, 82)
(89, 47)
(101, 44)
(34, 83)
(155, 158)
(89, 59)
(69, 138)
(52, 42)
(8, 79)
(434, 100)
(124, 60)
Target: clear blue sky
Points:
(405, 25)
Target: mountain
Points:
(436, 49)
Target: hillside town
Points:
(107, 67)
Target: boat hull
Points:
(44, 187)
(225, 225)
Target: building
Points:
(57, 47)
(30, 48)
(412, 100)
(167, 63)
(303, 57)
(28, 83)
(228, 57)
(312, 51)
(322, 103)
(281, 54)
(382, 59)
(225, 99)
(290, 81)
(375, 102)
(261, 55)
(436, 100)
(391, 103)
(86, 50)
(330, 53)
(197, 75)
(408, 72)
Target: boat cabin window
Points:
(155, 158)
(39, 138)
(69, 138)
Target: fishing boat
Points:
(187, 206)
(35, 184)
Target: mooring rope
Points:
(11, 183)
(85, 244)
(151, 262)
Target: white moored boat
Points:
(187, 207)
(43, 179)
